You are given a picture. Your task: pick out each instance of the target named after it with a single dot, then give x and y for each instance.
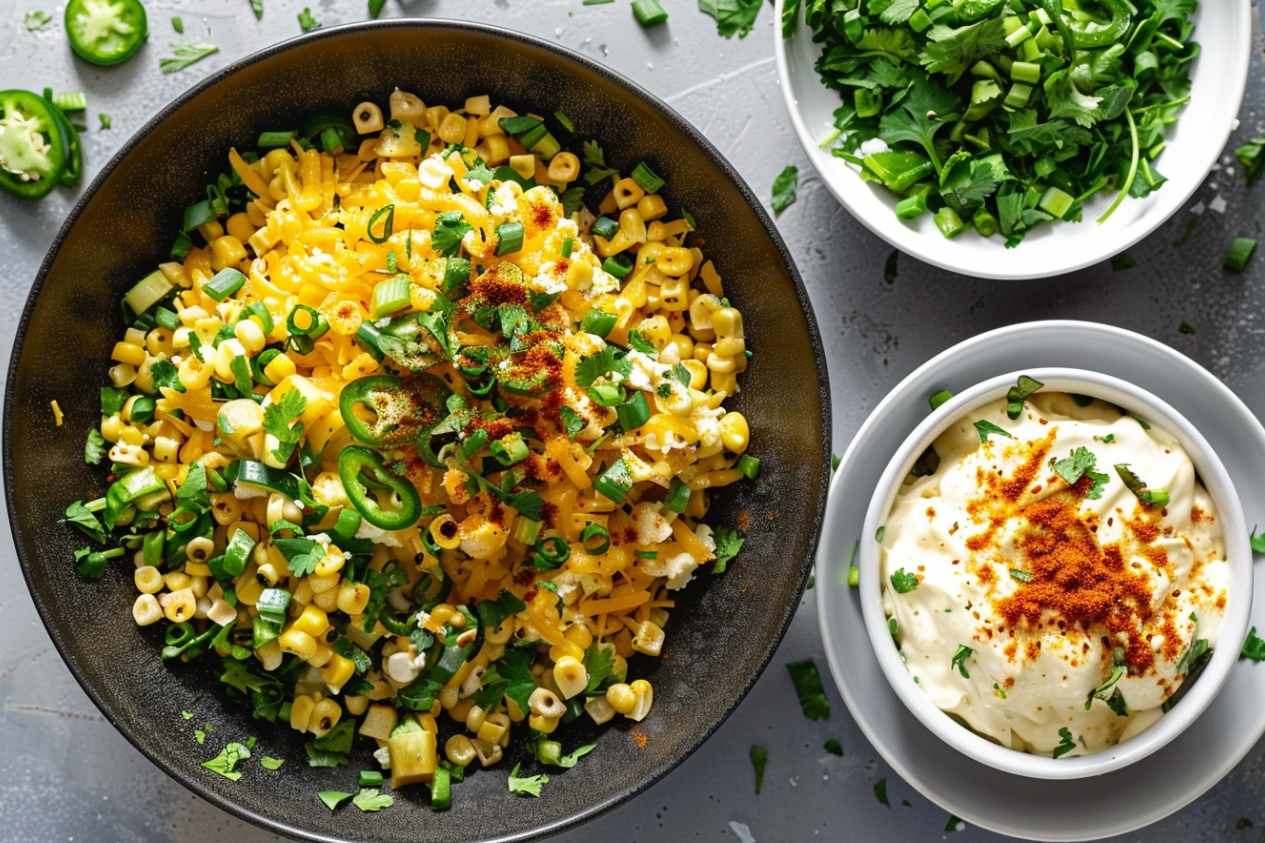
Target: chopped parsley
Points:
(904, 582)
(732, 16)
(728, 543)
(277, 423)
(105, 121)
(1253, 647)
(307, 23)
(1258, 541)
(759, 758)
(1020, 393)
(36, 20)
(226, 762)
(812, 696)
(595, 158)
(1080, 464)
(960, 655)
(1066, 744)
(1185, 328)
(301, 555)
(834, 747)
(528, 786)
(987, 428)
(598, 662)
(186, 53)
(784, 187)
(880, 792)
(450, 228)
(187, 715)
(606, 362)
(569, 760)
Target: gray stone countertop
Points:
(66, 775)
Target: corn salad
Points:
(418, 445)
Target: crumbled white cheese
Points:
(651, 526)
(707, 423)
(873, 146)
(743, 831)
(377, 535)
(383, 757)
(548, 280)
(434, 173)
(678, 568)
(1218, 204)
(603, 282)
(505, 200)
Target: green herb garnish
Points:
(960, 655)
(987, 428)
(812, 696)
(529, 786)
(186, 53)
(1148, 497)
(904, 582)
(784, 187)
(759, 757)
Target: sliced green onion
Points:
(315, 324)
(509, 238)
(260, 311)
(615, 481)
(166, 318)
(272, 603)
(260, 362)
(225, 283)
(1239, 253)
(939, 398)
(456, 273)
(389, 296)
(552, 551)
(526, 531)
(647, 554)
(197, 214)
(180, 249)
(749, 466)
(370, 778)
(649, 13)
(949, 223)
(388, 224)
(645, 177)
(634, 412)
(472, 444)
(509, 450)
(71, 101)
(678, 496)
(368, 336)
(330, 141)
(617, 265)
(598, 322)
(274, 140)
(605, 394)
(143, 409)
(564, 120)
(605, 227)
(518, 125)
(348, 523)
(567, 246)
(603, 543)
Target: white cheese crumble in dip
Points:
(1039, 594)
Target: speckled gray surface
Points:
(65, 774)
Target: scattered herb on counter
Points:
(528, 786)
(728, 543)
(987, 428)
(372, 799)
(36, 20)
(1122, 262)
(1019, 393)
(960, 655)
(1185, 235)
(1066, 744)
(812, 696)
(1185, 328)
(732, 16)
(257, 6)
(186, 53)
(759, 758)
(177, 23)
(1253, 647)
(1250, 156)
(307, 23)
(270, 763)
(834, 747)
(784, 187)
(986, 123)
(199, 735)
(226, 762)
(376, 7)
(1239, 253)
(649, 13)
(1020, 576)
(939, 398)
(105, 121)
(889, 268)
(880, 792)
(1258, 541)
(597, 2)
(187, 715)
(904, 582)
(954, 824)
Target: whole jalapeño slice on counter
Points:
(106, 31)
(363, 472)
(32, 148)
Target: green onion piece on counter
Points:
(649, 13)
(1239, 253)
(72, 101)
(939, 398)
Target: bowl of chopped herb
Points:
(181, 654)
(1060, 578)
(1065, 134)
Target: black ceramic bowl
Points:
(725, 628)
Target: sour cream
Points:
(1018, 597)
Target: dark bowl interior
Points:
(726, 627)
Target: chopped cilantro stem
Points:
(1133, 168)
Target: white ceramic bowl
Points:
(1219, 75)
(1238, 551)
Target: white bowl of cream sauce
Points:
(1056, 584)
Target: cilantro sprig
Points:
(808, 687)
(1080, 463)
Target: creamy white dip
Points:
(1030, 593)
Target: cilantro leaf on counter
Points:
(186, 53)
(36, 20)
(528, 786)
(834, 747)
(759, 758)
(1258, 541)
(812, 696)
(904, 582)
(732, 16)
(1253, 647)
(307, 23)
(880, 792)
(257, 6)
(784, 187)
(987, 428)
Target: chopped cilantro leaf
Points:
(302, 555)
(728, 543)
(36, 20)
(904, 582)
(880, 792)
(960, 655)
(306, 22)
(834, 747)
(529, 786)
(94, 449)
(812, 696)
(987, 428)
(598, 662)
(606, 362)
(1253, 647)
(1066, 744)
(333, 798)
(186, 53)
(732, 16)
(371, 799)
(270, 763)
(277, 423)
(226, 762)
(759, 758)
(569, 760)
(784, 187)
(1080, 464)
(80, 516)
(1258, 541)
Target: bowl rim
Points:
(896, 234)
(787, 612)
(1219, 485)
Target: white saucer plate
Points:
(1083, 809)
